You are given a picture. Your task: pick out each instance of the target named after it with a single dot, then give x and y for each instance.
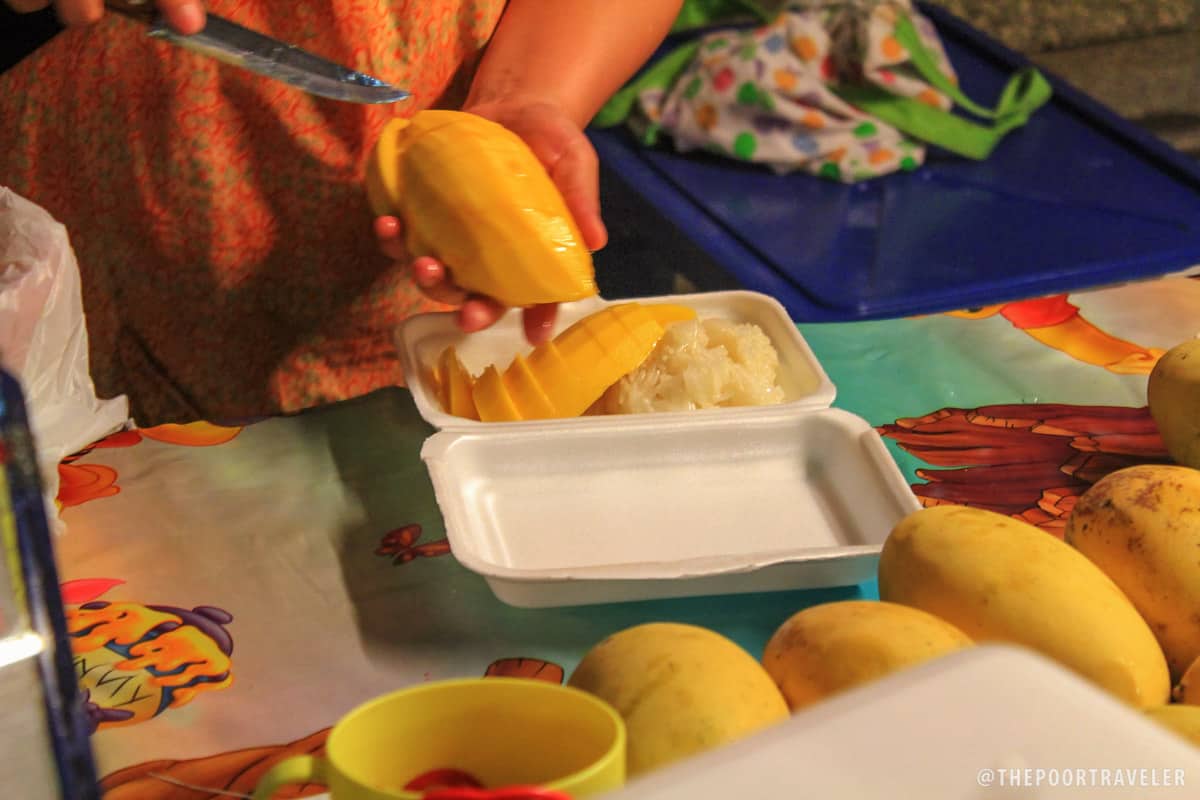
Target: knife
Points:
(242, 47)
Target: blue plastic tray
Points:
(1077, 198)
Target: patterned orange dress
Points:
(218, 217)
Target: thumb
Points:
(577, 175)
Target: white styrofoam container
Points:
(990, 721)
(423, 337)
(601, 509)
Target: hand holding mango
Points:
(477, 202)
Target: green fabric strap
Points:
(661, 75)
(702, 13)
(1024, 93)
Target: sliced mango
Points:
(526, 391)
(668, 313)
(436, 377)
(492, 399)
(563, 377)
(458, 393)
(624, 333)
(564, 388)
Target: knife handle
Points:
(140, 10)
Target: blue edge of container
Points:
(66, 720)
(1078, 198)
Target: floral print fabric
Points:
(767, 95)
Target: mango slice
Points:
(457, 386)
(474, 196)
(526, 391)
(492, 399)
(563, 377)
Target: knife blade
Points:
(233, 44)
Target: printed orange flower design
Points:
(79, 483)
(192, 434)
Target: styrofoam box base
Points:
(794, 501)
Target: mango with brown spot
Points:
(832, 647)
(1141, 526)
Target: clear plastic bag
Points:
(44, 341)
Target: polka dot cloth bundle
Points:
(768, 95)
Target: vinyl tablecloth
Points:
(257, 581)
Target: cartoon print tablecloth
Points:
(232, 591)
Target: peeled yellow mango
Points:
(997, 578)
(1141, 526)
(473, 195)
(832, 647)
(1183, 720)
(681, 689)
(563, 377)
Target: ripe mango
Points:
(1141, 526)
(1173, 393)
(1183, 720)
(473, 195)
(997, 578)
(681, 690)
(563, 377)
(829, 648)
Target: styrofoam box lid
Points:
(978, 723)
(637, 506)
(423, 337)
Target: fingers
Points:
(577, 175)
(433, 280)
(185, 16)
(390, 235)
(539, 322)
(75, 13)
(26, 6)
(479, 312)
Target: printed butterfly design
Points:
(401, 544)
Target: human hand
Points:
(572, 164)
(185, 16)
